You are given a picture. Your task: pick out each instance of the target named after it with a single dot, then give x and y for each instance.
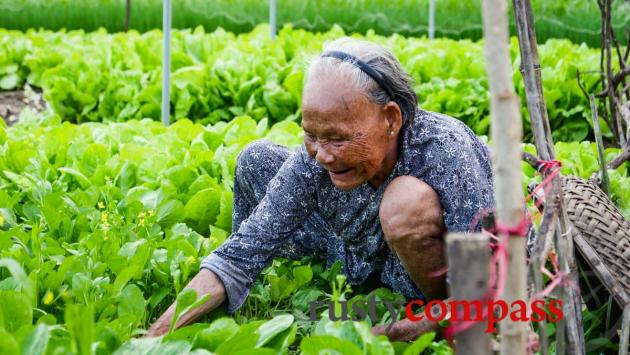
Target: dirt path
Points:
(13, 102)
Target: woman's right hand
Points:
(205, 282)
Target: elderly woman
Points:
(376, 185)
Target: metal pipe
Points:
(166, 62)
(127, 14)
(272, 18)
(431, 19)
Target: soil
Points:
(13, 102)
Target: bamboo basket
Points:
(602, 237)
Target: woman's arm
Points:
(228, 273)
(205, 282)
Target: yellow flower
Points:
(48, 298)
(151, 213)
(101, 205)
(104, 217)
(2, 220)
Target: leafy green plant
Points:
(100, 229)
(218, 76)
(572, 19)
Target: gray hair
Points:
(381, 60)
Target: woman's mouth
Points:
(340, 173)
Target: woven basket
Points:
(603, 235)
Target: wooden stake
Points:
(507, 133)
(544, 146)
(469, 260)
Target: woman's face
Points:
(348, 134)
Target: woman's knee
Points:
(256, 165)
(411, 209)
(252, 154)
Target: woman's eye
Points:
(337, 143)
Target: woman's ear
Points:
(393, 114)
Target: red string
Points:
(546, 167)
(558, 277)
(499, 257)
(519, 230)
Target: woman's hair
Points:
(378, 58)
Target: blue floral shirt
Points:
(298, 211)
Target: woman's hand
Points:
(406, 330)
(205, 282)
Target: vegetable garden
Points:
(105, 213)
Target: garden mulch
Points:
(13, 102)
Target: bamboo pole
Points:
(604, 182)
(507, 133)
(544, 145)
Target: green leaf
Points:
(8, 344)
(328, 345)
(131, 302)
(152, 346)
(36, 341)
(203, 208)
(16, 310)
(303, 297)
(7, 218)
(283, 340)
(95, 154)
(420, 344)
(80, 324)
(187, 333)
(186, 301)
(245, 339)
(83, 181)
(224, 219)
(143, 346)
(262, 351)
(10, 82)
(272, 328)
(170, 212)
(126, 178)
(303, 274)
(181, 176)
(400, 347)
(24, 283)
(220, 330)
(125, 276)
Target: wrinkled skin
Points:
(353, 138)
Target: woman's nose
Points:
(323, 157)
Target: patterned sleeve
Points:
(458, 168)
(285, 206)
